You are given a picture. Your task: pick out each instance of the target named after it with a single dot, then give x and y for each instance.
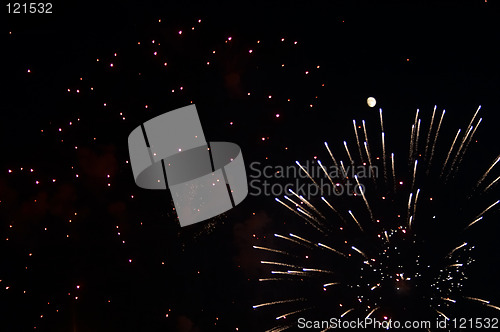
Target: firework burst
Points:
(394, 248)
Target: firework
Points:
(393, 249)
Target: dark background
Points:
(408, 56)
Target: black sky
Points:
(408, 56)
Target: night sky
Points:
(82, 248)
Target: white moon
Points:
(371, 102)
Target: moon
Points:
(371, 102)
